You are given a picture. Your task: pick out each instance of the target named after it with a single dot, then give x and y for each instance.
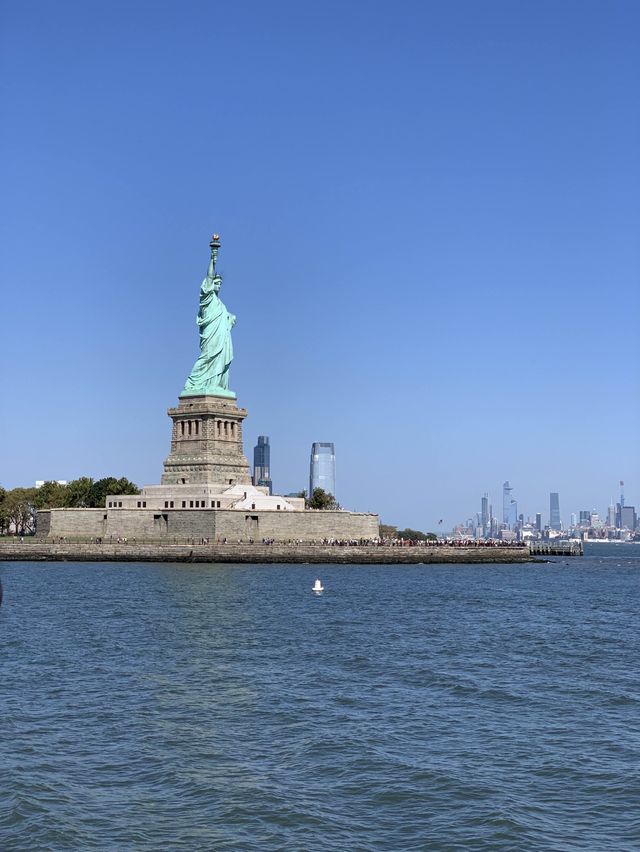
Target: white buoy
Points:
(317, 587)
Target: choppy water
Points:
(408, 708)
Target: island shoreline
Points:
(245, 553)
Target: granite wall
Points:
(181, 524)
(33, 549)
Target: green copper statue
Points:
(210, 374)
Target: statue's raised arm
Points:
(214, 245)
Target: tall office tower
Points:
(262, 463)
(506, 503)
(554, 511)
(585, 518)
(574, 521)
(611, 516)
(484, 514)
(494, 527)
(538, 521)
(620, 507)
(628, 518)
(322, 470)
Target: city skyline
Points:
(619, 515)
(470, 195)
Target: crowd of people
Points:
(446, 542)
(325, 542)
(382, 542)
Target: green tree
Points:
(388, 531)
(415, 535)
(51, 495)
(3, 494)
(98, 491)
(18, 511)
(321, 499)
(78, 490)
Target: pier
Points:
(556, 548)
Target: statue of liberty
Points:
(210, 374)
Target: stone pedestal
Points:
(206, 443)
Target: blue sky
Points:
(429, 215)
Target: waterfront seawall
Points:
(34, 550)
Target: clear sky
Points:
(429, 215)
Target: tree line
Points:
(18, 506)
(389, 531)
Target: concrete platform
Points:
(34, 550)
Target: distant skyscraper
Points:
(506, 502)
(538, 521)
(628, 518)
(322, 472)
(585, 518)
(262, 463)
(611, 516)
(554, 511)
(509, 507)
(620, 506)
(484, 514)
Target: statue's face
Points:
(217, 283)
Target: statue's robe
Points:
(211, 370)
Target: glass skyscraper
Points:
(509, 507)
(628, 518)
(554, 511)
(262, 463)
(322, 471)
(484, 514)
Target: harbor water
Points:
(150, 706)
